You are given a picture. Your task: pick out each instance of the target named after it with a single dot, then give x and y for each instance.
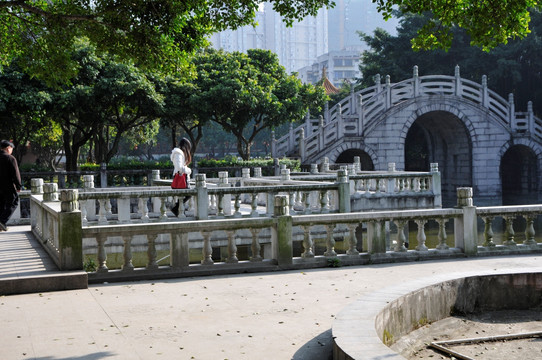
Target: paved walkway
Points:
(284, 315)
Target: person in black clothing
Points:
(10, 183)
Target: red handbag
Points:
(179, 181)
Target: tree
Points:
(247, 93)
(515, 67)
(22, 108)
(477, 17)
(105, 100)
(153, 34)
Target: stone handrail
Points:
(271, 240)
(360, 111)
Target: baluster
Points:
(421, 235)
(417, 184)
(84, 219)
(488, 231)
(307, 201)
(377, 185)
(102, 255)
(330, 241)
(207, 249)
(400, 244)
(291, 201)
(255, 247)
(237, 205)
(509, 232)
(254, 205)
(127, 266)
(307, 243)
(108, 207)
(143, 209)
(232, 248)
(323, 202)
(163, 209)
(102, 219)
(151, 251)
(529, 230)
(220, 205)
(442, 237)
(353, 241)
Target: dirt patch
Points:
(494, 323)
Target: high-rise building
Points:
(339, 66)
(350, 16)
(296, 46)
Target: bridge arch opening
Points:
(347, 157)
(519, 176)
(441, 137)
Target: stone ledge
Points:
(359, 329)
(44, 283)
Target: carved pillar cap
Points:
(464, 196)
(36, 186)
(281, 205)
(50, 192)
(68, 199)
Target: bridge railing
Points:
(283, 241)
(357, 113)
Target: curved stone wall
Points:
(362, 329)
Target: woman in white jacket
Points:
(180, 157)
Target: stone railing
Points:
(356, 114)
(281, 241)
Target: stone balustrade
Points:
(283, 239)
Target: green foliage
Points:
(515, 67)
(124, 163)
(90, 265)
(155, 35)
(334, 262)
(230, 161)
(246, 94)
(476, 17)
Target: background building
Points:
(340, 66)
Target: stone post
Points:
(302, 145)
(257, 172)
(361, 116)
(436, 186)
(314, 168)
(36, 186)
(389, 182)
(485, 92)
(416, 81)
(325, 165)
(70, 233)
(466, 227)
(103, 175)
(291, 137)
(512, 112)
(321, 133)
(458, 87)
(282, 249)
(376, 237)
(202, 197)
(89, 205)
(530, 117)
(276, 167)
(285, 175)
(226, 199)
(155, 176)
(388, 92)
(357, 163)
(50, 192)
(273, 144)
(344, 191)
(340, 124)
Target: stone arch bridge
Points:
(477, 137)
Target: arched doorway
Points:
(347, 157)
(519, 176)
(441, 137)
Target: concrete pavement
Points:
(283, 315)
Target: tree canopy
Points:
(159, 35)
(487, 22)
(247, 93)
(152, 34)
(512, 68)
